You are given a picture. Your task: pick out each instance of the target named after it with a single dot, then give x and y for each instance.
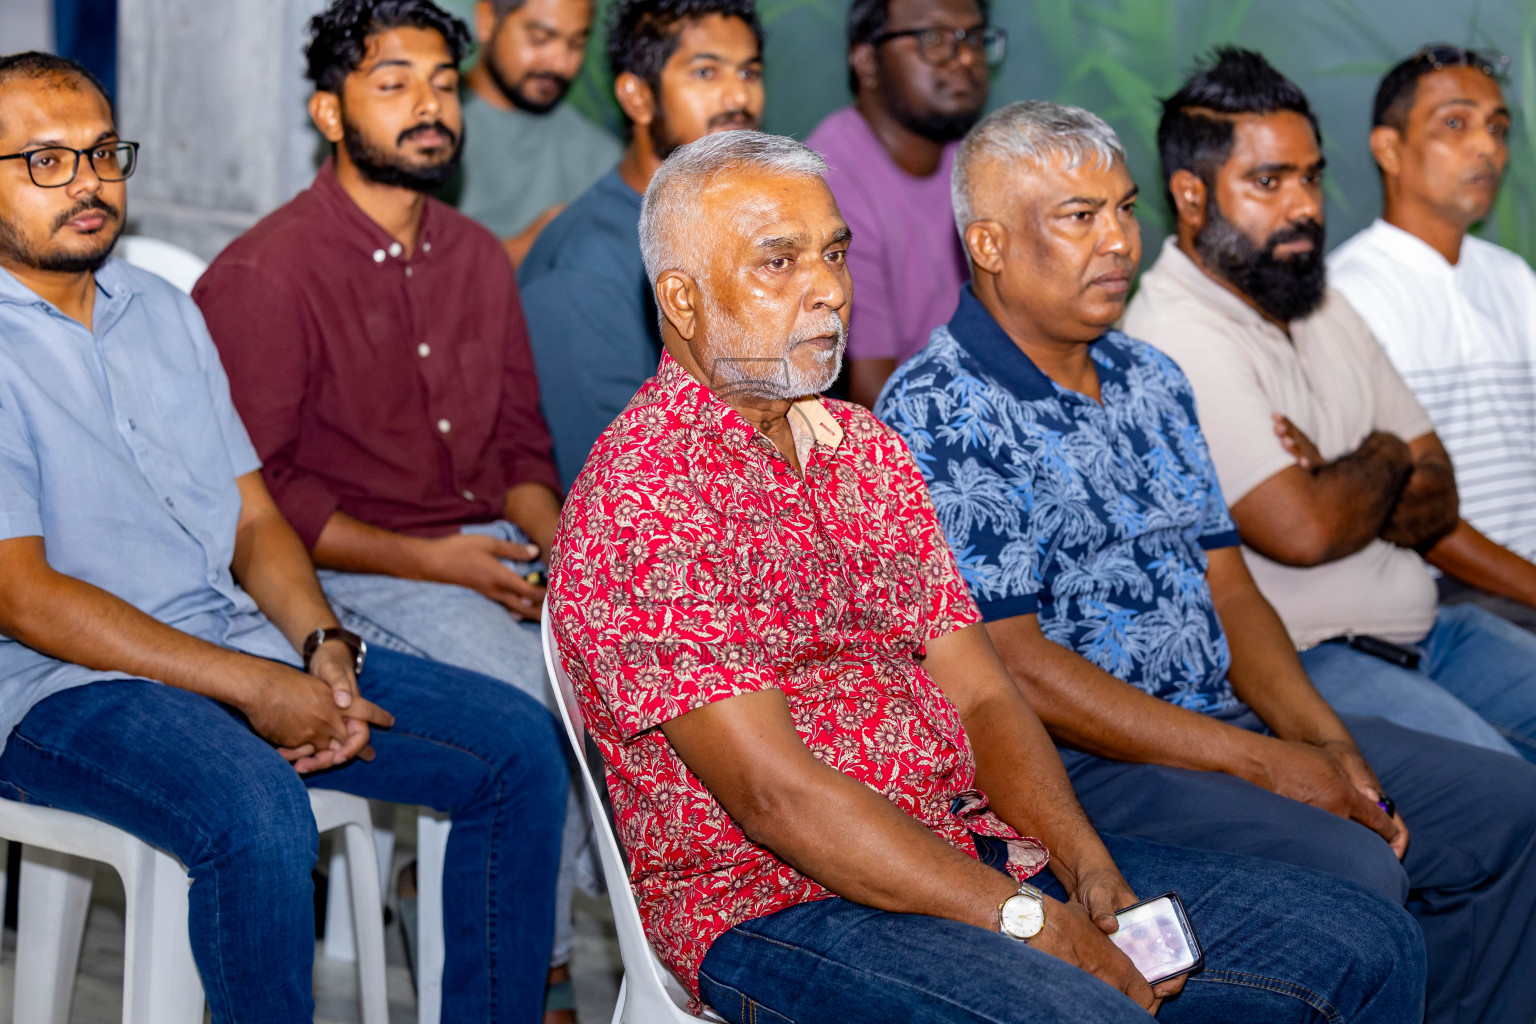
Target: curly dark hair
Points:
(867, 20)
(338, 36)
(642, 36)
(1196, 130)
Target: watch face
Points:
(1023, 917)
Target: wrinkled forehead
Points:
(744, 208)
(55, 108)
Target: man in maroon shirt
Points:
(376, 351)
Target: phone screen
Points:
(1157, 936)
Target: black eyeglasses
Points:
(56, 166)
(1443, 55)
(942, 45)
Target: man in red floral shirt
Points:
(819, 767)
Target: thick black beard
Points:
(513, 91)
(933, 125)
(383, 168)
(1287, 288)
(15, 248)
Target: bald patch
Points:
(48, 80)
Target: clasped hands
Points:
(316, 720)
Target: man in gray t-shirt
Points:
(526, 152)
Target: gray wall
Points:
(26, 25)
(214, 90)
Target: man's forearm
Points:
(351, 545)
(1085, 707)
(1361, 489)
(534, 509)
(275, 569)
(1472, 558)
(1428, 508)
(73, 621)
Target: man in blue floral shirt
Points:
(1074, 485)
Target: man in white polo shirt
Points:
(1457, 315)
(1340, 488)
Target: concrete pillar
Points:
(215, 92)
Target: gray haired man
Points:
(1067, 465)
(823, 776)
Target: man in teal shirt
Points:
(526, 152)
(682, 69)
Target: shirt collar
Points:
(1174, 262)
(1411, 249)
(811, 421)
(359, 230)
(115, 287)
(979, 334)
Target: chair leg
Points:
(55, 896)
(431, 850)
(340, 940)
(5, 857)
(367, 923)
(160, 980)
(618, 1007)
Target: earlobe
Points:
(984, 242)
(485, 21)
(677, 298)
(325, 112)
(862, 59)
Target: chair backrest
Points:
(652, 993)
(177, 265)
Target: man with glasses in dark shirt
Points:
(918, 69)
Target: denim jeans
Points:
(186, 774)
(1476, 682)
(457, 626)
(1282, 945)
(1469, 876)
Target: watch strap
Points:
(321, 636)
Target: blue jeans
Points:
(186, 774)
(458, 626)
(1476, 682)
(1282, 945)
(1469, 876)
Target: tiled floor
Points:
(99, 987)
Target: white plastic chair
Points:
(160, 980)
(649, 993)
(179, 266)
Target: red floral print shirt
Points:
(693, 565)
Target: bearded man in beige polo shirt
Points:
(1340, 489)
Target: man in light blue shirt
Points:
(168, 663)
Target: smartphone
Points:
(1157, 936)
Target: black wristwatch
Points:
(346, 636)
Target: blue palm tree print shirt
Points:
(1094, 516)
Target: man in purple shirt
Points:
(918, 69)
(377, 353)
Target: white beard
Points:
(739, 368)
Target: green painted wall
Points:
(1117, 56)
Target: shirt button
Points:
(395, 249)
(443, 426)
(409, 271)
(170, 502)
(426, 246)
(469, 495)
(378, 255)
(132, 425)
(423, 350)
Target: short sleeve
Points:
(661, 628)
(1235, 410)
(237, 443)
(20, 480)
